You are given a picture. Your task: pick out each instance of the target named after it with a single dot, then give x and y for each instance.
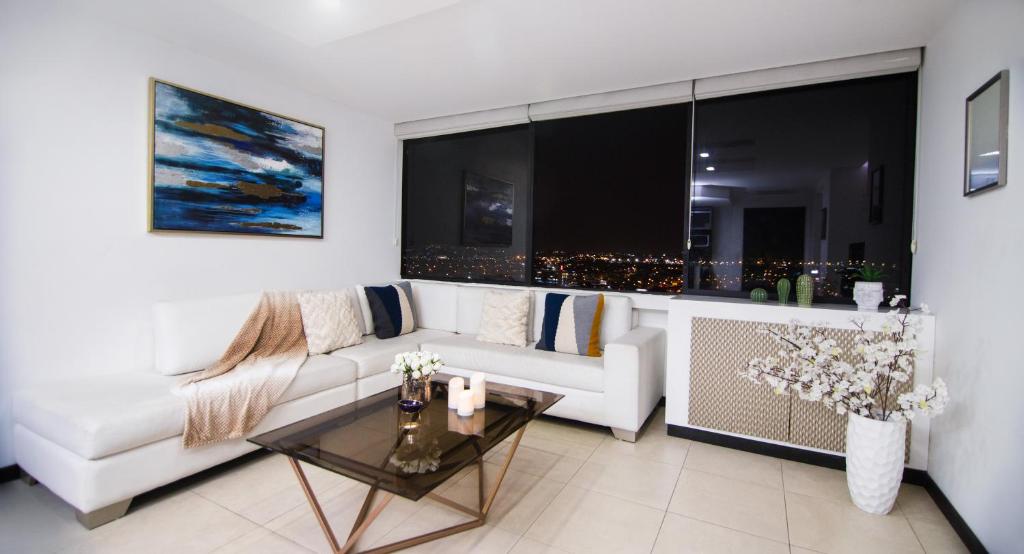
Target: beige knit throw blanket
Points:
(228, 399)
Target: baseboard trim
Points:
(9, 473)
(971, 541)
(833, 461)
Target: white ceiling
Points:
(318, 22)
(413, 59)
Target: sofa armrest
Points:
(634, 365)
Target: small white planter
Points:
(874, 462)
(868, 295)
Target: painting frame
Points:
(1002, 81)
(153, 227)
(471, 237)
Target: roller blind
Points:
(471, 121)
(642, 97)
(883, 63)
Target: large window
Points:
(466, 202)
(815, 180)
(609, 200)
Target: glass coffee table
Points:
(410, 455)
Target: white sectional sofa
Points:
(98, 441)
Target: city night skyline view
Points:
(631, 271)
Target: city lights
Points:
(629, 271)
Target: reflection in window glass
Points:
(815, 180)
(466, 200)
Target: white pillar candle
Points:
(466, 403)
(478, 384)
(455, 387)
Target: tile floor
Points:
(571, 488)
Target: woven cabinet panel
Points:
(812, 423)
(816, 426)
(719, 397)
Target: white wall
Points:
(969, 268)
(78, 271)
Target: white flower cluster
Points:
(811, 364)
(417, 364)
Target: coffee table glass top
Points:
(374, 442)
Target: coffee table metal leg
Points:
(365, 509)
(501, 474)
(367, 515)
(361, 528)
(480, 485)
(311, 497)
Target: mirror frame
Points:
(1002, 80)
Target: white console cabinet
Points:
(709, 342)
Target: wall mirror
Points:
(987, 120)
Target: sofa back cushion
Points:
(191, 335)
(437, 305)
(616, 316)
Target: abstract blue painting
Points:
(223, 167)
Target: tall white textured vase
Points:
(874, 462)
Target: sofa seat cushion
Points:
(102, 415)
(375, 355)
(521, 362)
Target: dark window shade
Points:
(815, 180)
(610, 200)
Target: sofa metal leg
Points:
(103, 516)
(28, 479)
(624, 435)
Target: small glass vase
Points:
(416, 391)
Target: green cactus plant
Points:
(804, 290)
(759, 295)
(782, 287)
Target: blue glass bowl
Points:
(410, 406)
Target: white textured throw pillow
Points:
(329, 321)
(504, 318)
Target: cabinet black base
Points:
(792, 453)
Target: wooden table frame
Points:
(368, 513)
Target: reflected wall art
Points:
(487, 211)
(218, 166)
